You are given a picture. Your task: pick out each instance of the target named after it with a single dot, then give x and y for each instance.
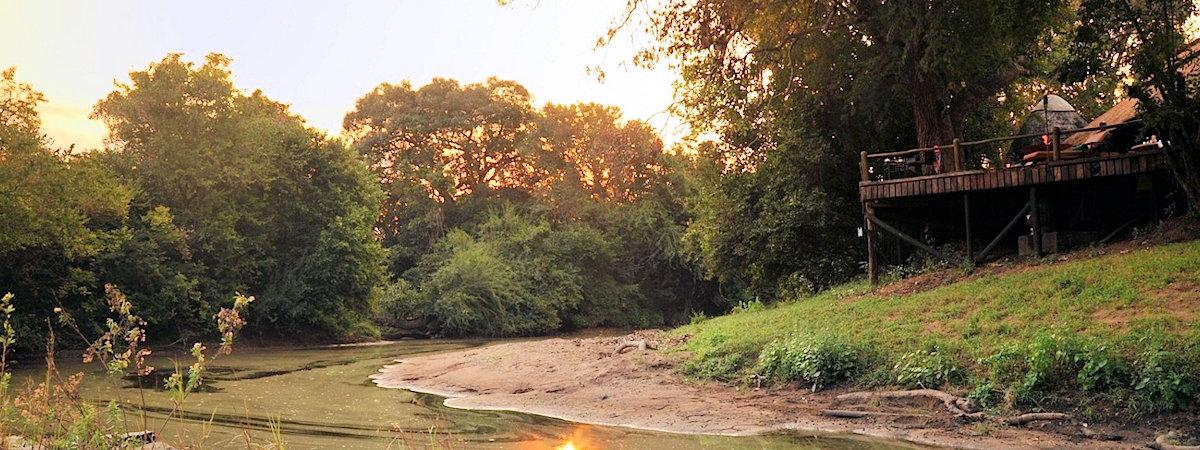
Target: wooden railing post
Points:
(958, 155)
(1055, 141)
(864, 169)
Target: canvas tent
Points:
(1053, 111)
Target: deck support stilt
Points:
(869, 231)
(1035, 222)
(967, 227)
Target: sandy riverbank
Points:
(583, 380)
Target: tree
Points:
(438, 152)
(452, 139)
(266, 206)
(586, 145)
(766, 230)
(57, 215)
(941, 60)
(1150, 40)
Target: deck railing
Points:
(959, 149)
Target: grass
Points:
(1120, 304)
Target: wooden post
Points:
(863, 168)
(872, 258)
(1055, 141)
(958, 155)
(967, 228)
(1035, 221)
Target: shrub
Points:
(716, 367)
(476, 290)
(818, 362)
(1054, 363)
(399, 301)
(985, 394)
(1051, 360)
(795, 286)
(1101, 370)
(747, 306)
(927, 369)
(1162, 382)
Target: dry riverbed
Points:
(587, 380)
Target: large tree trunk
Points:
(933, 119)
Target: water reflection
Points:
(323, 398)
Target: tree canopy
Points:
(852, 61)
(506, 219)
(258, 202)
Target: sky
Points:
(320, 56)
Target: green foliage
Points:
(1164, 381)
(1028, 337)
(770, 228)
(473, 289)
(1154, 44)
(985, 395)
(1160, 380)
(204, 191)
(1102, 370)
(931, 369)
(747, 307)
(726, 367)
(519, 274)
(398, 301)
(560, 218)
(265, 201)
(57, 214)
(815, 361)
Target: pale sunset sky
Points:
(320, 56)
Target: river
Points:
(322, 397)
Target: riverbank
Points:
(1101, 338)
(586, 380)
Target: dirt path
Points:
(583, 380)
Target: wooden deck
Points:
(1052, 172)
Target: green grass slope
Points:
(1122, 327)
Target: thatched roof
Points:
(1122, 112)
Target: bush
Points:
(1054, 363)
(985, 395)
(927, 369)
(1163, 382)
(716, 367)
(475, 290)
(1101, 370)
(400, 301)
(819, 362)
(747, 307)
